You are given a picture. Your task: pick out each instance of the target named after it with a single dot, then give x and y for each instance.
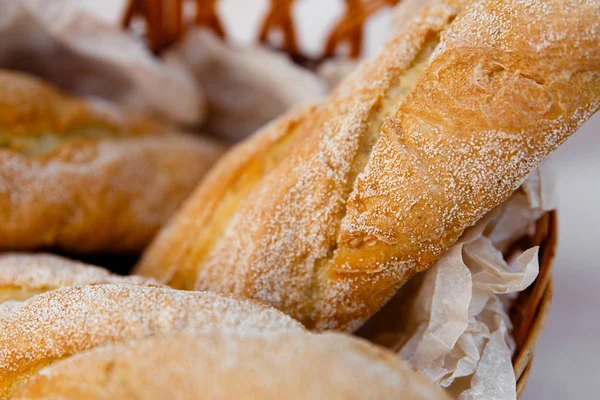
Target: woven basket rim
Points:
(524, 358)
(537, 298)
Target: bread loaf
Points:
(377, 182)
(192, 366)
(85, 176)
(60, 323)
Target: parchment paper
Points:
(84, 55)
(245, 87)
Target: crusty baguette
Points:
(386, 174)
(87, 177)
(57, 324)
(25, 275)
(192, 366)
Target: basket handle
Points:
(207, 16)
(279, 18)
(163, 20)
(164, 23)
(350, 28)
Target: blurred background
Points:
(566, 358)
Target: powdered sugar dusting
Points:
(511, 141)
(9, 307)
(97, 197)
(85, 173)
(68, 320)
(490, 23)
(46, 272)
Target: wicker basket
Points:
(165, 24)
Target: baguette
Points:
(94, 177)
(376, 183)
(192, 366)
(60, 323)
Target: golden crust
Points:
(95, 178)
(408, 152)
(57, 324)
(500, 94)
(31, 107)
(25, 275)
(191, 366)
(193, 233)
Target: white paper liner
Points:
(84, 55)
(456, 329)
(245, 87)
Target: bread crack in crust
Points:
(85, 176)
(385, 175)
